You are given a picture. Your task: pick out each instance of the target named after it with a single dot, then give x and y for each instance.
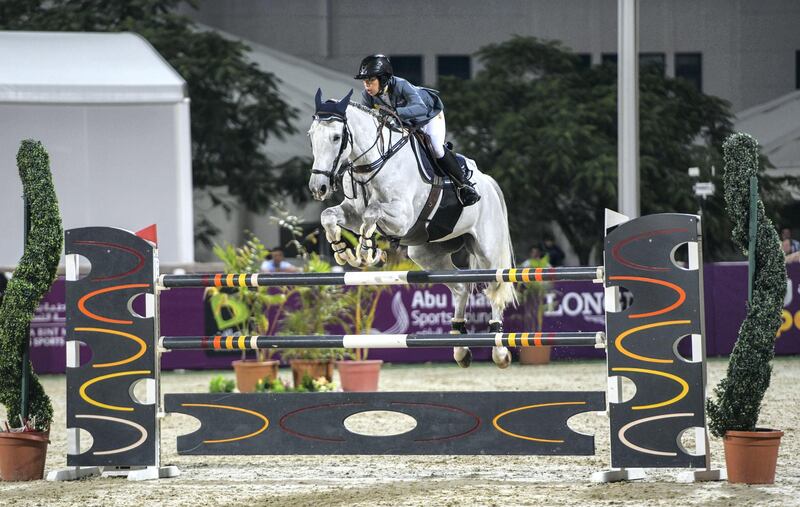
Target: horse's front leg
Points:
(332, 220)
(394, 218)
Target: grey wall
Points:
(748, 46)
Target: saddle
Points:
(442, 209)
(426, 161)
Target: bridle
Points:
(336, 173)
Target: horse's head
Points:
(330, 144)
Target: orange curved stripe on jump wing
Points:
(82, 302)
(676, 288)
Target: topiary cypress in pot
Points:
(23, 443)
(750, 452)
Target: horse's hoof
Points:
(340, 260)
(501, 357)
(463, 356)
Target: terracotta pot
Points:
(751, 456)
(361, 376)
(249, 372)
(534, 355)
(315, 368)
(22, 455)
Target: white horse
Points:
(376, 162)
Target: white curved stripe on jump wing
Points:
(376, 278)
(641, 421)
(400, 314)
(134, 445)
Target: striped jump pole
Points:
(513, 275)
(384, 341)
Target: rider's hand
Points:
(387, 110)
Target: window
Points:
(609, 58)
(657, 60)
(689, 66)
(797, 69)
(645, 60)
(455, 66)
(408, 67)
(584, 60)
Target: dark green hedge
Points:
(739, 394)
(32, 279)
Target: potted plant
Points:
(532, 297)
(25, 434)
(750, 451)
(356, 371)
(311, 311)
(247, 310)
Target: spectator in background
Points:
(786, 246)
(276, 262)
(793, 244)
(554, 253)
(536, 258)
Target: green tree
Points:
(235, 106)
(546, 129)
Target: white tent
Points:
(114, 117)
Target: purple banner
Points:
(49, 332)
(726, 307)
(571, 306)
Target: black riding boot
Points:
(465, 191)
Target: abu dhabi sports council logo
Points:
(400, 315)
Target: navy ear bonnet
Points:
(331, 108)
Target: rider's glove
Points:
(387, 110)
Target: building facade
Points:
(745, 51)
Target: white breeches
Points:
(436, 130)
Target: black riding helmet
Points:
(375, 66)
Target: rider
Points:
(417, 107)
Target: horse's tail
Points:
(503, 293)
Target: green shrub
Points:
(31, 281)
(220, 384)
(739, 394)
(307, 385)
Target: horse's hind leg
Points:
(458, 324)
(500, 355)
(499, 294)
(436, 256)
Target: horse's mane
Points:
(372, 112)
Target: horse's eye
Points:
(337, 137)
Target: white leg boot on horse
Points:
(368, 252)
(462, 355)
(331, 219)
(500, 355)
